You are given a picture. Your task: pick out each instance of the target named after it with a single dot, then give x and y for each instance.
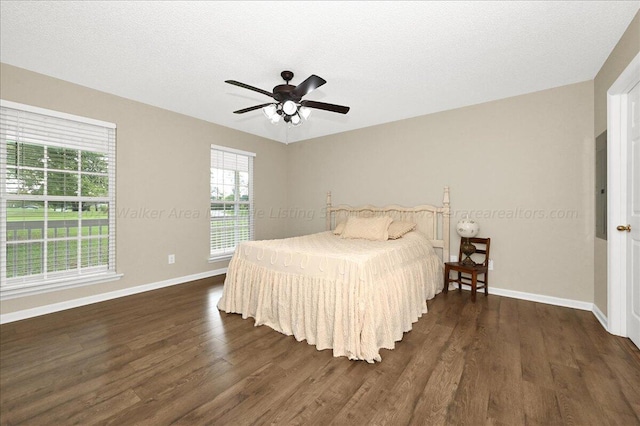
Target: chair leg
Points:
(486, 284)
(459, 282)
(474, 284)
(446, 279)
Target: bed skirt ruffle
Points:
(355, 313)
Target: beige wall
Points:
(512, 163)
(162, 165)
(626, 49)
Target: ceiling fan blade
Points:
(246, 86)
(253, 108)
(308, 85)
(327, 107)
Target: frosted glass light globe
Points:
(269, 111)
(306, 112)
(467, 228)
(289, 108)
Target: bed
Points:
(353, 296)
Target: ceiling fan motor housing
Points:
(283, 93)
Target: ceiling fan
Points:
(289, 104)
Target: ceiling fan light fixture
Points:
(289, 107)
(287, 104)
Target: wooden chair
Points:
(468, 275)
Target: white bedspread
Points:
(354, 296)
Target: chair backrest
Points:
(482, 247)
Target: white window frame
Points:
(227, 253)
(52, 281)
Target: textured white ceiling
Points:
(386, 60)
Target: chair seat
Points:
(459, 266)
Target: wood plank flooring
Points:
(170, 357)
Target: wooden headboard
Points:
(432, 221)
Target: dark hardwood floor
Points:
(169, 356)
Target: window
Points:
(57, 210)
(231, 200)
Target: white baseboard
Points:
(557, 301)
(540, 298)
(600, 317)
(532, 297)
(83, 301)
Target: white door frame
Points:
(617, 196)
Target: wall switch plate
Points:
(454, 258)
(172, 259)
(490, 264)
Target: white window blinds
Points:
(57, 213)
(231, 200)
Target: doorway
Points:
(623, 257)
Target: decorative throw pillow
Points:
(398, 228)
(339, 228)
(367, 228)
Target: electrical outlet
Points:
(454, 258)
(172, 259)
(491, 264)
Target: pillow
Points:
(398, 228)
(367, 228)
(339, 228)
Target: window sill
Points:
(40, 287)
(221, 258)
